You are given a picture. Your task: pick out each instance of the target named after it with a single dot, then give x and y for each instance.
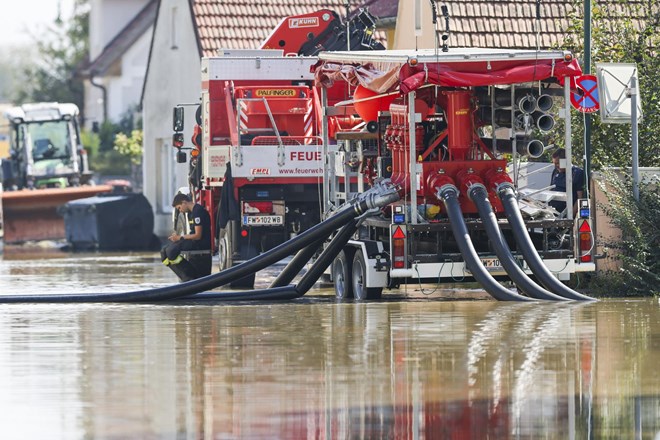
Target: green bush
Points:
(639, 250)
(130, 147)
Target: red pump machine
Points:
(463, 118)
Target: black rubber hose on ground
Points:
(292, 291)
(449, 195)
(479, 196)
(507, 194)
(296, 264)
(269, 294)
(209, 282)
(327, 257)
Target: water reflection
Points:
(414, 367)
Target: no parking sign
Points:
(585, 99)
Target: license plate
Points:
(263, 220)
(493, 265)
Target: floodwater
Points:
(443, 364)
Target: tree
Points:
(60, 51)
(625, 32)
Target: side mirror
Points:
(177, 140)
(177, 124)
(181, 157)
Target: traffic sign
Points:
(586, 99)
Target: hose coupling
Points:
(378, 196)
(474, 187)
(446, 191)
(502, 187)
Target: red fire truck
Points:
(257, 161)
(284, 139)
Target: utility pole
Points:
(587, 70)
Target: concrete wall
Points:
(173, 78)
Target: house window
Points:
(173, 36)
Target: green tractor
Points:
(45, 148)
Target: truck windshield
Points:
(50, 140)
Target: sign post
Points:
(619, 92)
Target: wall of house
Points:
(404, 33)
(173, 78)
(124, 80)
(107, 18)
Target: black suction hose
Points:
(508, 196)
(296, 264)
(327, 257)
(378, 196)
(291, 291)
(209, 282)
(449, 195)
(269, 294)
(479, 196)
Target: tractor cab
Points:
(45, 148)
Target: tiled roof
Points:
(245, 24)
(512, 24)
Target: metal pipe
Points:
(449, 195)
(508, 196)
(569, 150)
(412, 144)
(634, 135)
(104, 92)
(479, 196)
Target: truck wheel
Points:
(223, 253)
(247, 282)
(341, 275)
(360, 290)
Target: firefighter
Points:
(558, 179)
(200, 239)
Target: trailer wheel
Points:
(341, 275)
(360, 290)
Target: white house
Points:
(119, 37)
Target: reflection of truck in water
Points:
(45, 149)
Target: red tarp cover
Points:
(385, 77)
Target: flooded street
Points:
(448, 364)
